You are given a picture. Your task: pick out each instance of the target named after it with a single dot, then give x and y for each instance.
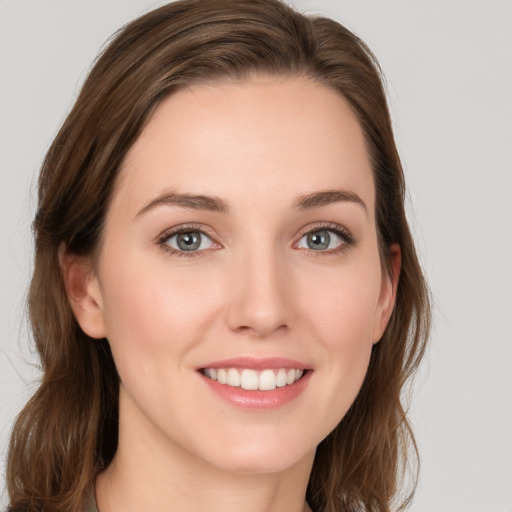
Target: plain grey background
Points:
(448, 65)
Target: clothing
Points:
(90, 502)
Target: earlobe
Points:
(83, 293)
(388, 292)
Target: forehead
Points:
(251, 141)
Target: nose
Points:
(259, 295)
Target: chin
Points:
(261, 457)
(263, 464)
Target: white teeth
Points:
(248, 379)
(233, 378)
(280, 378)
(222, 376)
(267, 380)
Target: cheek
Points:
(346, 306)
(345, 327)
(342, 316)
(156, 312)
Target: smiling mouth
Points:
(251, 380)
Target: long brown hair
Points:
(67, 433)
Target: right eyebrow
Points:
(190, 201)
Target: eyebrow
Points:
(327, 197)
(216, 204)
(190, 201)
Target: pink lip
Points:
(256, 399)
(257, 363)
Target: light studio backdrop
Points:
(448, 65)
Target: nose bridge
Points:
(259, 303)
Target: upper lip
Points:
(257, 363)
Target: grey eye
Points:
(188, 241)
(322, 240)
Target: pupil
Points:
(319, 240)
(188, 241)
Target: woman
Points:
(226, 298)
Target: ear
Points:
(388, 292)
(83, 291)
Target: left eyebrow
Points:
(327, 197)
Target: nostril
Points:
(261, 329)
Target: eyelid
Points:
(341, 231)
(165, 235)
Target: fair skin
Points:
(269, 271)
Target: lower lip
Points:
(257, 399)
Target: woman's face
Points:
(240, 251)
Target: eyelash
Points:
(344, 234)
(189, 228)
(346, 237)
